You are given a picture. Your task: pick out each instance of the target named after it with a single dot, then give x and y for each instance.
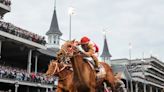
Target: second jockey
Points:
(90, 50)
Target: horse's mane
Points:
(50, 68)
(56, 65)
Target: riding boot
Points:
(96, 63)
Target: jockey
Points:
(90, 50)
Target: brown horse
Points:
(84, 77)
(65, 76)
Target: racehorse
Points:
(64, 73)
(84, 76)
(65, 79)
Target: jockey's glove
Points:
(80, 49)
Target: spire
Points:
(106, 52)
(54, 33)
(54, 28)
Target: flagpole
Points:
(70, 26)
(71, 12)
(130, 66)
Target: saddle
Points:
(101, 73)
(90, 61)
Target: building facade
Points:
(146, 74)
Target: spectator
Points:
(6, 2)
(22, 75)
(10, 28)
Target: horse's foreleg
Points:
(111, 80)
(58, 89)
(72, 89)
(92, 89)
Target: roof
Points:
(49, 51)
(54, 28)
(121, 69)
(105, 52)
(18, 39)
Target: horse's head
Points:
(63, 59)
(55, 68)
(68, 49)
(51, 68)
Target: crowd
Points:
(6, 2)
(6, 91)
(8, 72)
(10, 28)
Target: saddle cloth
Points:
(101, 73)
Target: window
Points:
(49, 39)
(54, 39)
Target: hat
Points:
(84, 40)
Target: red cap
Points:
(84, 40)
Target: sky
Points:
(139, 22)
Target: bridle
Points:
(58, 69)
(63, 57)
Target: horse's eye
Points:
(59, 54)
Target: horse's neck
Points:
(64, 73)
(77, 64)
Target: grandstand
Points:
(24, 56)
(4, 7)
(146, 74)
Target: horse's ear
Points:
(73, 41)
(58, 54)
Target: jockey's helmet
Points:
(84, 40)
